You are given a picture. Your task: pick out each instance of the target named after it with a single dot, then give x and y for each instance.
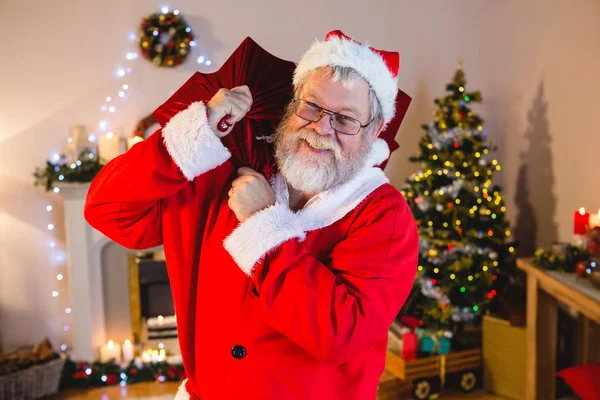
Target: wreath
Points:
(159, 49)
(143, 125)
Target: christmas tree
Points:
(466, 255)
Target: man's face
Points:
(312, 156)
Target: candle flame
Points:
(160, 318)
(127, 342)
(109, 135)
(582, 211)
(111, 344)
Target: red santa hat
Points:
(378, 67)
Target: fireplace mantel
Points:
(84, 250)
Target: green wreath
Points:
(176, 49)
(143, 125)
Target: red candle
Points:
(582, 219)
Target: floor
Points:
(391, 389)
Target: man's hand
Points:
(250, 193)
(235, 103)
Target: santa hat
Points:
(378, 67)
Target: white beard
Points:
(313, 174)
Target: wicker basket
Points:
(32, 383)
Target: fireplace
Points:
(115, 293)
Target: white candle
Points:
(133, 140)
(109, 351)
(155, 356)
(127, 352)
(108, 147)
(594, 219)
(175, 360)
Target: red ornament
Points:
(580, 268)
(449, 246)
(112, 379)
(494, 277)
(456, 145)
(80, 375)
(133, 371)
(433, 281)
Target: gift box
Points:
(432, 342)
(410, 339)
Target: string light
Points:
(103, 126)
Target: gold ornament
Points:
(433, 252)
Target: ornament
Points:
(580, 268)
(439, 207)
(433, 252)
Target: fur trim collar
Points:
(271, 227)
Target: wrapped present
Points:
(410, 339)
(432, 342)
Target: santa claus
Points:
(284, 288)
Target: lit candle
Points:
(155, 356)
(133, 140)
(109, 351)
(108, 147)
(127, 352)
(581, 221)
(595, 220)
(161, 320)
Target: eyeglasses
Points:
(339, 122)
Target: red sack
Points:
(270, 81)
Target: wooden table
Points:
(544, 290)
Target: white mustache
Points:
(318, 142)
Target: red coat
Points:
(284, 306)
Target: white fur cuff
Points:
(260, 233)
(191, 142)
(182, 393)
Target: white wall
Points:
(536, 63)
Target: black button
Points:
(255, 291)
(238, 352)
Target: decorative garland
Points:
(176, 49)
(562, 257)
(82, 375)
(84, 170)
